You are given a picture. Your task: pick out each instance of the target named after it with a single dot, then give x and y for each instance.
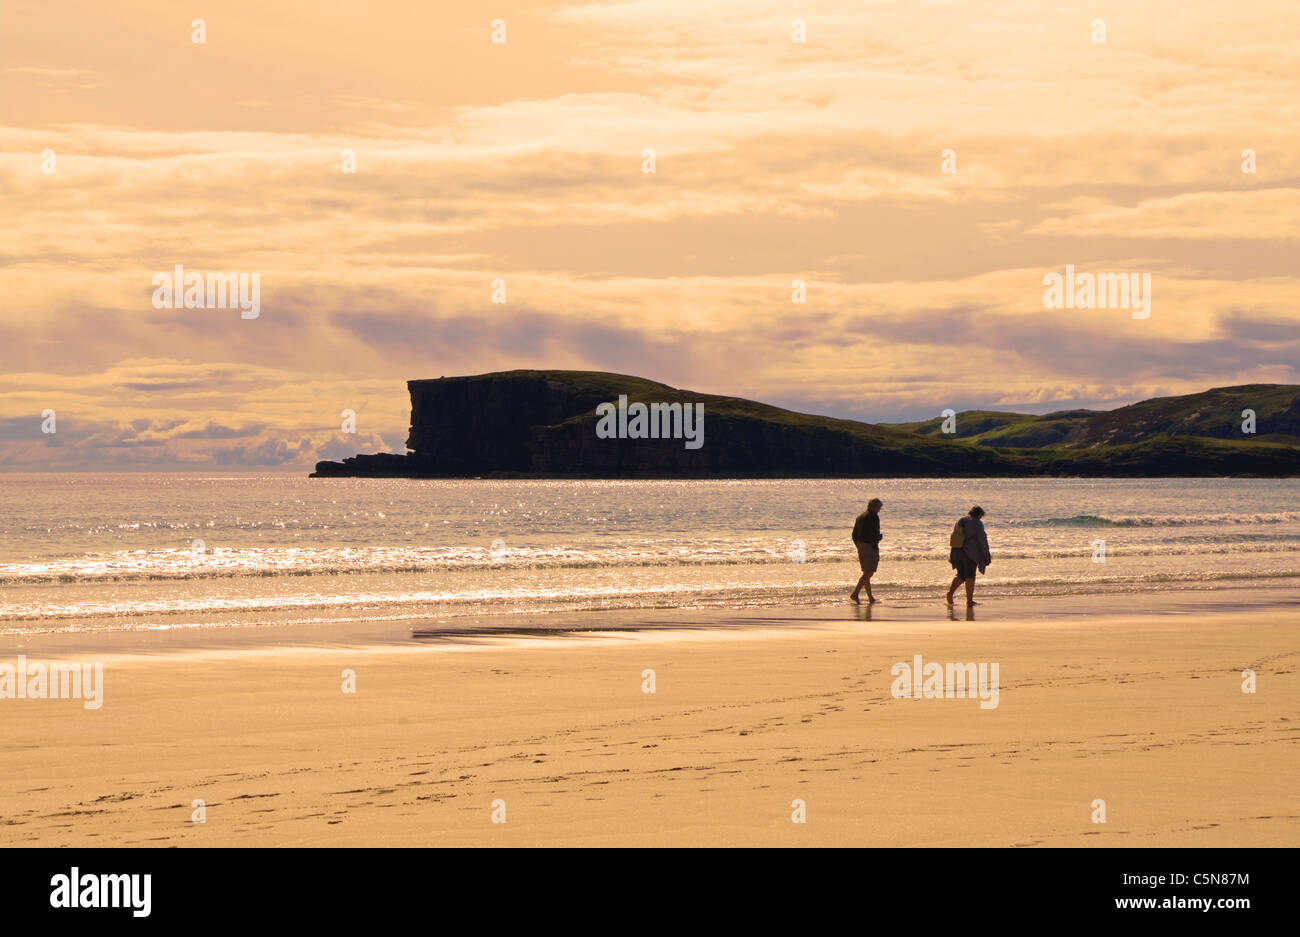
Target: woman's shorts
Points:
(868, 558)
(964, 565)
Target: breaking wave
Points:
(1175, 520)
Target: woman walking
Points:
(969, 551)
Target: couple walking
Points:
(968, 550)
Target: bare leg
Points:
(863, 581)
(870, 598)
(956, 581)
(970, 591)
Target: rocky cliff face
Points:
(545, 423)
(474, 425)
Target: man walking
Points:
(866, 537)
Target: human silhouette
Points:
(969, 550)
(866, 537)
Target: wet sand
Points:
(752, 713)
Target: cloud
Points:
(1259, 214)
(775, 161)
(48, 72)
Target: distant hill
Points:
(545, 424)
(1213, 414)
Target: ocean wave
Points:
(288, 563)
(1174, 520)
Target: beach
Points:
(560, 425)
(757, 717)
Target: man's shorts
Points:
(868, 557)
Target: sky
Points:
(920, 166)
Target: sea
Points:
(176, 553)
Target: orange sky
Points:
(775, 160)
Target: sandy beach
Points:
(1143, 710)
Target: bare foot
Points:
(971, 602)
(854, 599)
(872, 601)
(947, 600)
